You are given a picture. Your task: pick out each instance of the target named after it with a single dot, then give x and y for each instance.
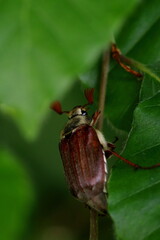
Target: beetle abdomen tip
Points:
(99, 203)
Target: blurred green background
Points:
(51, 50)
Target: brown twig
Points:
(102, 95)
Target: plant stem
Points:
(103, 86)
(102, 95)
(93, 225)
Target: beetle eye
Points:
(84, 112)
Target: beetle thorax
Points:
(77, 116)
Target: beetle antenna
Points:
(56, 106)
(88, 93)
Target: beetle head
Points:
(78, 110)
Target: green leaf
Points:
(16, 197)
(134, 195)
(122, 98)
(138, 39)
(44, 45)
(135, 36)
(150, 86)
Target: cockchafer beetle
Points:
(84, 151)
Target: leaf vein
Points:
(146, 149)
(149, 234)
(137, 192)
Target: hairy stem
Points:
(102, 95)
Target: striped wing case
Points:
(84, 164)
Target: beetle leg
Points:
(123, 61)
(95, 118)
(111, 146)
(136, 166)
(108, 154)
